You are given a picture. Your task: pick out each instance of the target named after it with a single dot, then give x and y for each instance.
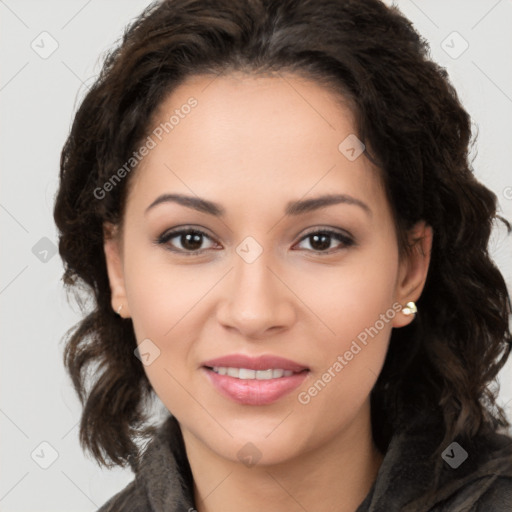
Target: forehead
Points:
(277, 135)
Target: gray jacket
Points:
(481, 483)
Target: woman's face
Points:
(255, 268)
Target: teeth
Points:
(233, 372)
(264, 374)
(247, 374)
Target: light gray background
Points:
(38, 98)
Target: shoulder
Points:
(163, 481)
(483, 495)
(472, 474)
(498, 497)
(129, 499)
(484, 482)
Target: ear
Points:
(413, 269)
(112, 247)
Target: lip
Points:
(255, 363)
(253, 391)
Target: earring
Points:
(410, 309)
(119, 309)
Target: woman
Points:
(272, 207)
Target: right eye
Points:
(190, 240)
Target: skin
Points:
(253, 144)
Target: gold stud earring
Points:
(410, 309)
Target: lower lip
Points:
(253, 391)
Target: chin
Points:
(263, 442)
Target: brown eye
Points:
(321, 241)
(185, 240)
(191, 241)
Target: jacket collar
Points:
(412, 478)
(164, 472)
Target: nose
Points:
(257, 301)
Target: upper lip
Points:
(264, 362)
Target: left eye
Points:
(320, 241)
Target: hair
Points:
(416, 132)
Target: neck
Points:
(335, 476)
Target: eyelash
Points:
(164, 239)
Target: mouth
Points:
(254, 380)
(248, 374)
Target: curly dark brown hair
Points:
(416, 132)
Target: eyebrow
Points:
(292, 208)
(308, 205)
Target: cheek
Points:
(159, 294)
(356, 303)
(160, 299)
(165, 301)
(352, 297)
